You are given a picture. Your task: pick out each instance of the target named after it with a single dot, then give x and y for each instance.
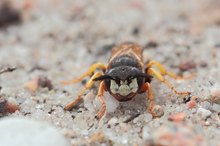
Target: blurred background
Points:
(53, 40)
(48, 33)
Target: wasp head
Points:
(124, 82)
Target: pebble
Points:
(26, 132)
(187, 65)
(111, 103)
(158, 110)
(216, 108)
(215, 94)
(45, 82)
(40, 81)
(113, 121)
(174, 134)
(207, 123)
(146, 133)
(7, 107)
(191, 104)
(9, 15)
(177, 117)
(156, 123)
(206, 105)
(147, 117)
(88, 101)
(135, 121)
(203, 113)
(125, 127)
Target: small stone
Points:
(158, 111)
(151, 44)
(146, 133)
(97, 137)
(206, 105)
(156, 123)
(27, 132)
(113, 121)
(8, 14)
(216, 108)
(84, 132)
(176, 134)
(215, 95)
(88, 101)
(203, 113)
(147, 117)
(7, 107)
(203, 64)
(207, 123)
(135, 120)
(124, 127)
(6, 68)
(40, 81)
(187, 65)
(177, 117)
(32, 85)
(191, 104)
(45, 82)
(111, 103)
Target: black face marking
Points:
(124, 73)
(103, 77)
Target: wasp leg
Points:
(150, 98)
(101, 91)
(88, 73)
(153, 72)
(164, 72)
(87, 86)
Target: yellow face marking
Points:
(124, 89)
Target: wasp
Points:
(125, 76)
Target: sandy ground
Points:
(60, 40)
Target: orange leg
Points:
(88, 85)
(153, 72)
(88, 73)
(150, 98)
(164, 72)
(101, 91)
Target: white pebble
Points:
(216, 108)
(146, 133)
(158, 110)
(25, 132)
(84, 132)
(203, 113)
(215, 94)
(124, 127)
(148, 117)
(206, 105)
(135, 120)
(111, 103)
(156, 123)
(113, 121)
(88, 101)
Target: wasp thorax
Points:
(124, 88)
